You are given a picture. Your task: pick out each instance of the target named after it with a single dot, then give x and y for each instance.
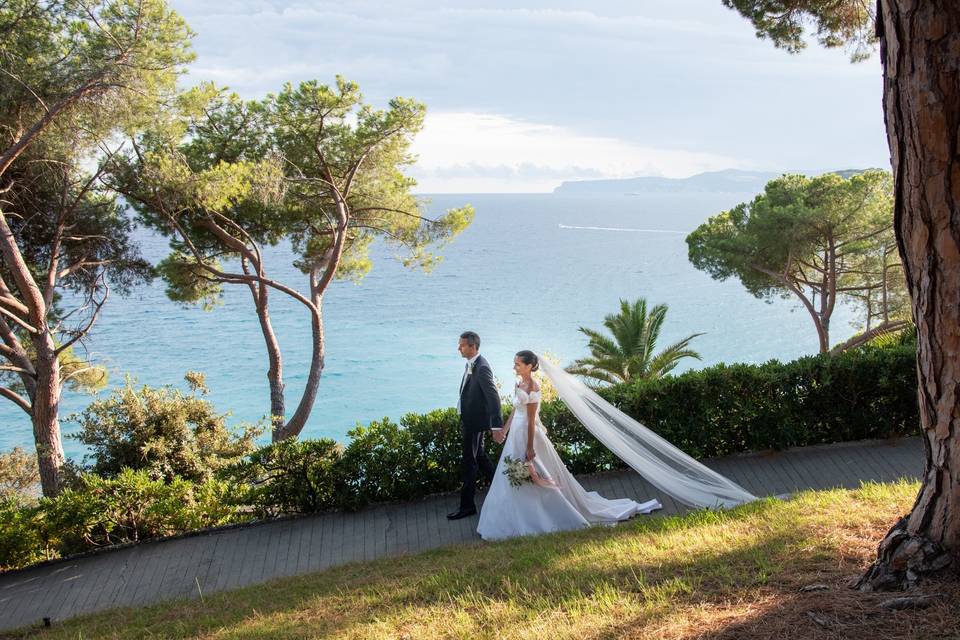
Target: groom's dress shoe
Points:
(461, 513)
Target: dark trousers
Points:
(474, 459)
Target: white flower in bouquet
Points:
(517, 471)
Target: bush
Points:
(19, 476)
(162, 431)
(862, 394)
(416, 458)
(384, 461)
(292, 476)
(107, 511)
(21, 542)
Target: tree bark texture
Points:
(920, 50)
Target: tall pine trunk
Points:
(46, 416)
(45, 401)
(274, 358)
(920, 49)
(299, 418)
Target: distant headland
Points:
(726, 181)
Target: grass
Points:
(734, 574)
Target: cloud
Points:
(659, 77)
(522, 171)
(477, 152)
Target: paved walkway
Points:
(170, 569)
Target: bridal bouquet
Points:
(517, 471)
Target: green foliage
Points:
(420, 456)
(107, 511)
(188, 283)
(21, 541)
(162, 431)
(382, 462)
(76, 75)
(19, 476)
(292, 476)
(78, 374)
(344, 162)
(726, 409)
(313, 165)
(903, 338)
(722, 410)
(629, 354)
(216, 159)
(838, 23)
(821, 238)
(100, 512)
(122, 53)
(131, 507)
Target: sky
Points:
(524, 95)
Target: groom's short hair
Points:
(472, 338)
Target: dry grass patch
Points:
(735, 574)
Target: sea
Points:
(527, 274)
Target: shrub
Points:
(21, 542)
(162, 431)
(416, 458)
(383, 461)
(19, 476)
(106, 511)
(866, 393)
(131, 507)
(292, 476)
(727, 409)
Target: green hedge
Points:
(100, 512)
(726, 409)
(868, 393)
(383, 462)
(721, 410)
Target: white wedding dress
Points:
(564, 504)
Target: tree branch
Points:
(80, 333)
(17, 399)
(865, 337)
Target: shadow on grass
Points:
(525, 575)
(746, 565)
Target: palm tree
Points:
(628, 355)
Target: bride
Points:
(532, 491)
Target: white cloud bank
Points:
(462, 152)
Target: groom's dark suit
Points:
(479, 412)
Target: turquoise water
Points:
(526, 274)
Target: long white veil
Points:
(663, 465)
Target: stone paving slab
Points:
(183, 567)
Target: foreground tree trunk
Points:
(920, 49)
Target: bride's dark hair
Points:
(529, 357)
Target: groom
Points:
(479, 409)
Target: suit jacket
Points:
(479, 400)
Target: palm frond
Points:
(665, 361)
(595, 373)
(627, 352)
